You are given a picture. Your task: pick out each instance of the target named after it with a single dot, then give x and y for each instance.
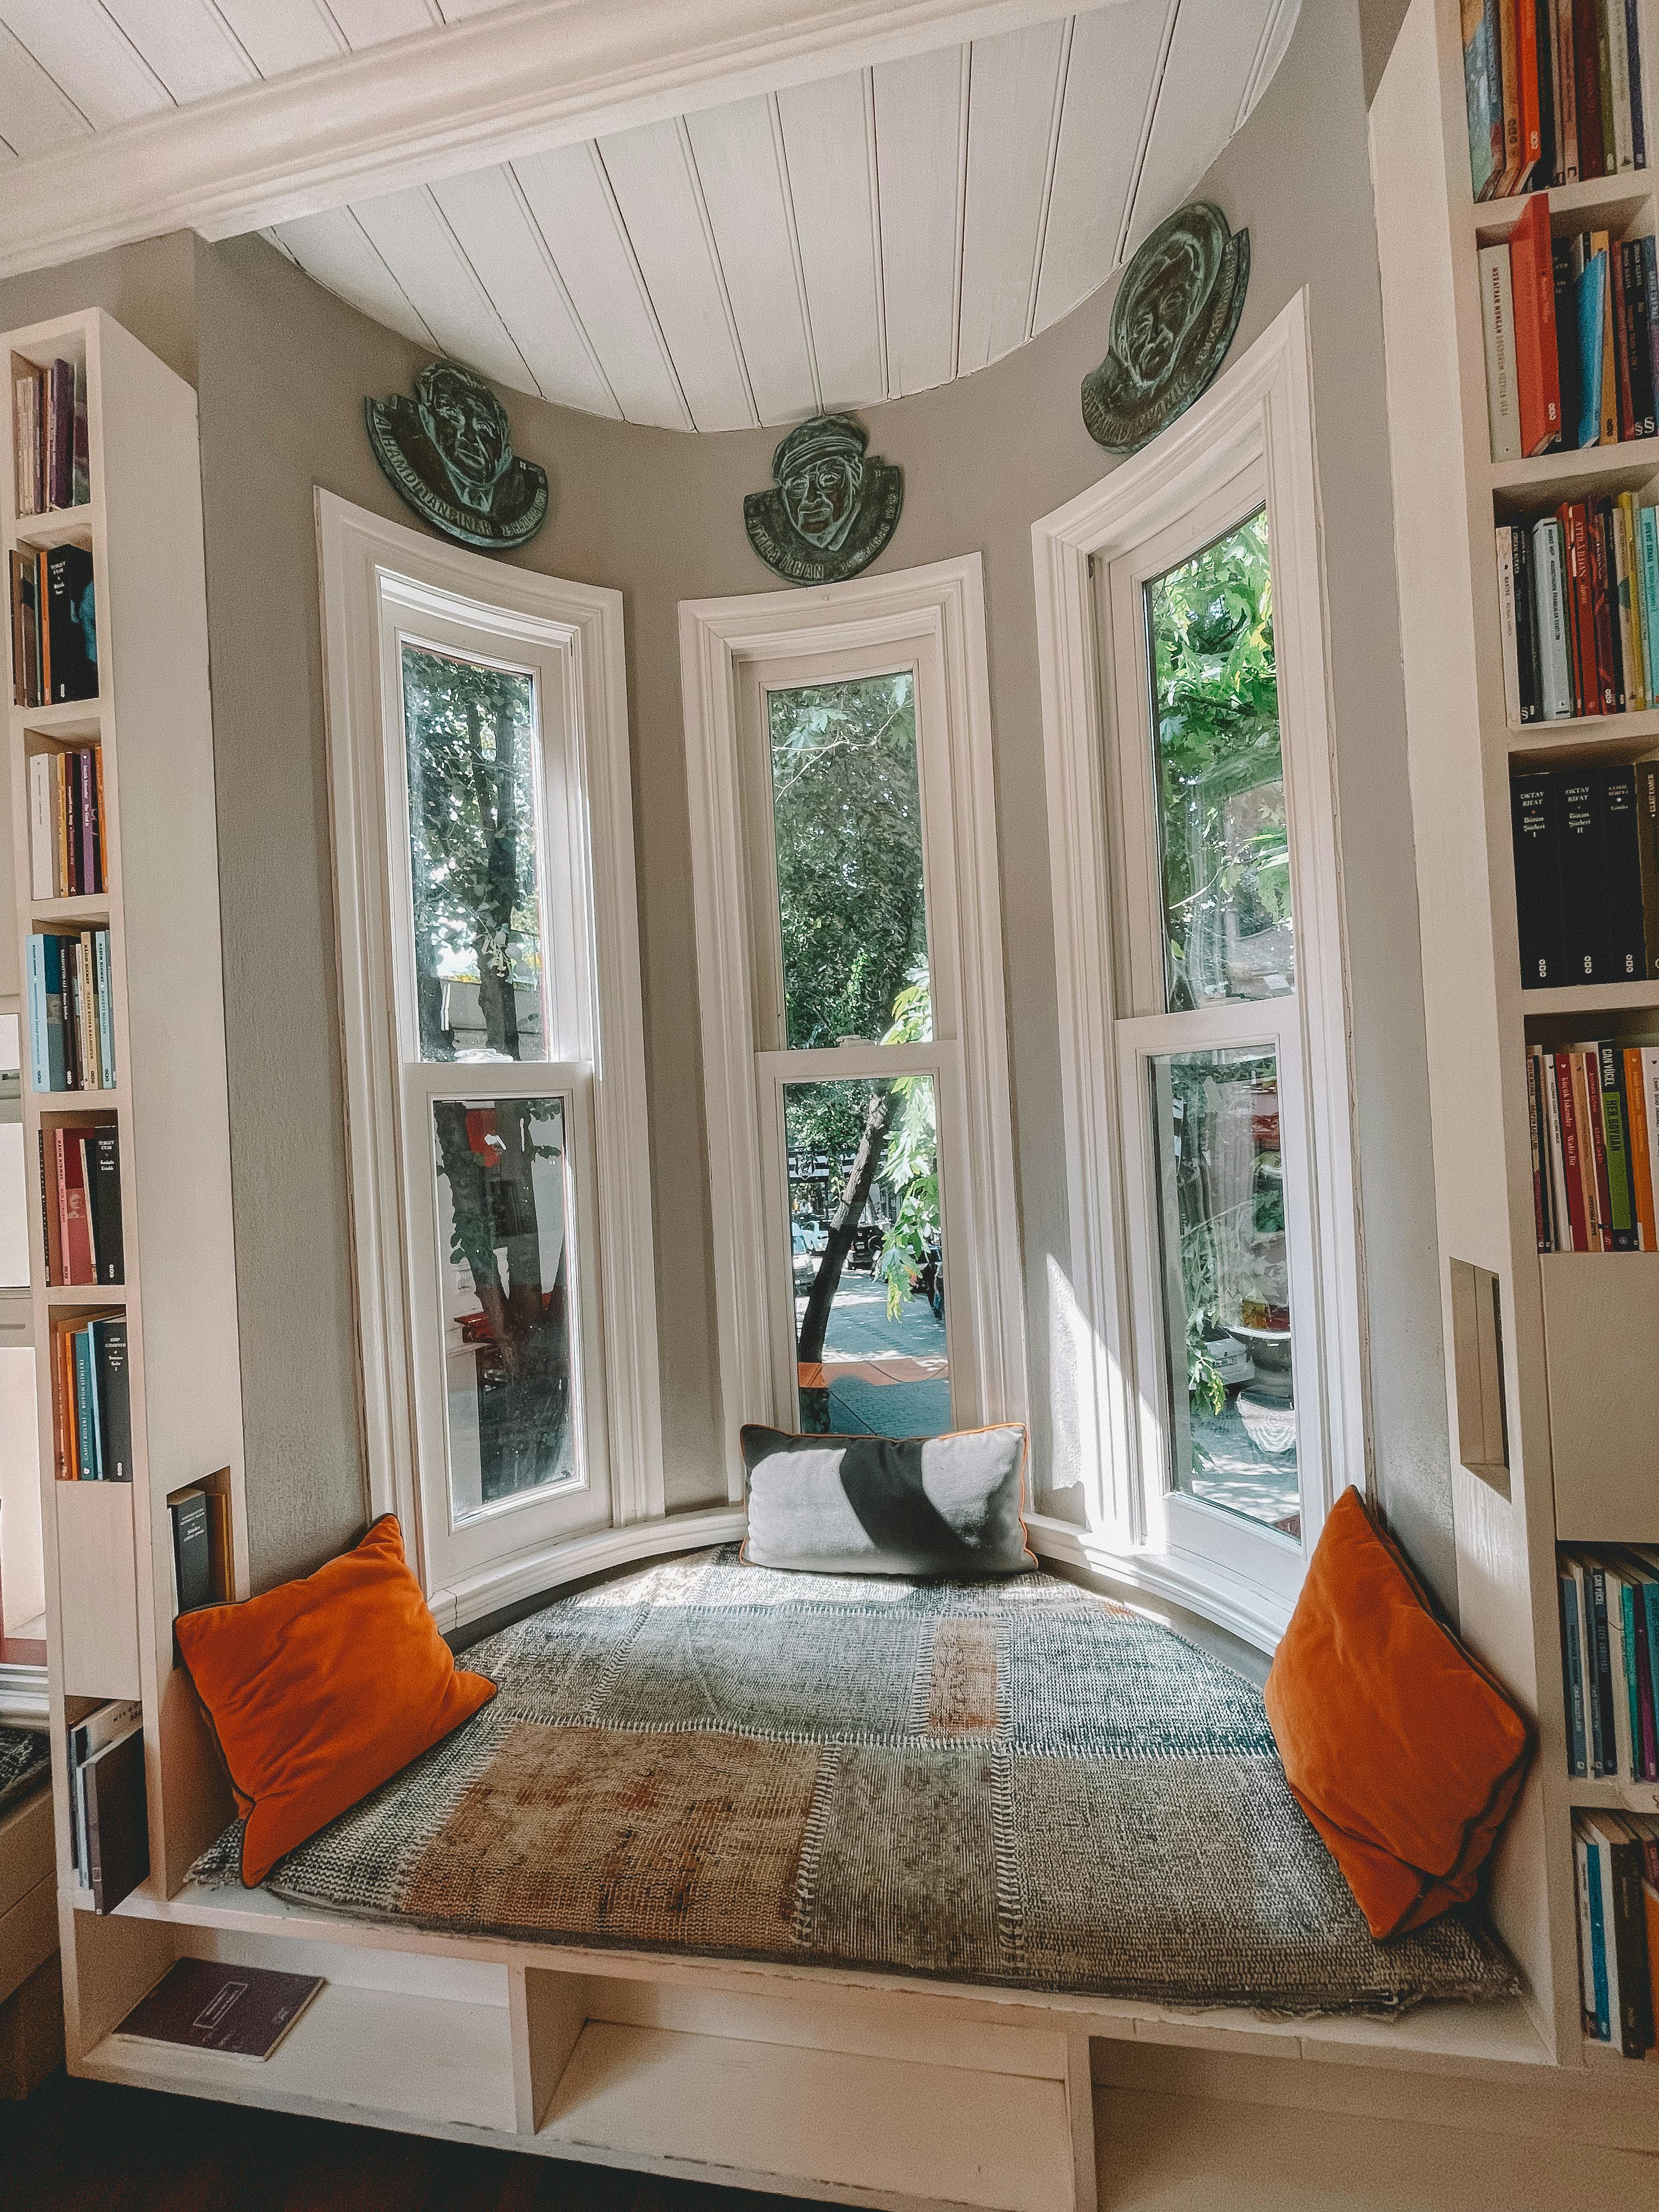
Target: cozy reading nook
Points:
(834, 872)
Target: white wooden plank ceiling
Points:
(829, 245)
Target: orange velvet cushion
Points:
(1401, 1748)
(321, 1690)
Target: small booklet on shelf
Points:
(208, 2004)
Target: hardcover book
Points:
(206, 2004)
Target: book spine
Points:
(1641, 1157)
(1571, 1160)
(1651, 1620)
(48, 1211)
(1566, 96)
(1526, 76)
(60, 1183)
(1637, 347)
(86, 969)
(1591, 317)
(115, 1409)
(1617, 83)
(1505, 542)
(1575, 522)
(1555, 677)
(35, 978)
(1538, 373)
(1621, 845)
(1618, 605)
(1509, 80)
(1536, 805)
(1572, 1675)
(1584, 931)
(1644, 1727)
(1525, 624)
(1636, 667)
(1603, 589)
(1621, 1189)
(1535, 1134)
(1607, 1704)
(1589, 1075)
(1638, 127)
(41, 884)
(1588, 1993)
(1560, 1202)
(107, 1156)
(1483, 95)
(1618, 309)
(83, 1388)
(1498, 326)
(1627, 1612)
(105, 1011)
(88, 822)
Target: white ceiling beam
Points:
(443, 101)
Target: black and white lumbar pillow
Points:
(887, 1505)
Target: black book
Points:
(1525, 624)
(118, 1825)
(1627, 1937)
(208, 2004)
(1583, 919)
(104, 1197)
(1536, 818)
(109, 1359)
(192, 1553)
(1607, 1756)
(1621, 845)
(1549, 171)
(1647, 818)
(1638, 342)
(71, 612)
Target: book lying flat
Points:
(206, 2004)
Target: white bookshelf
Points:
(109, 1571)
(1579, 1346)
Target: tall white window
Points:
(491, 990)
(1211, 1313)
(850, 963)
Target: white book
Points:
(1506, 620)
(43, 846)
(1498, 326)
(1619, 59)
(1550, 614)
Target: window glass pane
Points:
(1220, 777)
(471, 739)
(503, 1243)
(868, 1264)
(847, 820)
(1220, 1199)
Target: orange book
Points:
(1537, 358)
(69, 1441)
(1651, 1902)
(1641, 1162)
(1526, 69)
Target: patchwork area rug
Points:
(25, 1763)
(1016, 1783)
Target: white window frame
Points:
(379, 582)
(1252, 432)
(931, 620)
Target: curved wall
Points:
(282, 369)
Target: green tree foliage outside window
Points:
(1222, 824)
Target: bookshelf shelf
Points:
(1586, 998)
(109, 1570)
(1519, 486)
(1580, 733)
(1587, 204)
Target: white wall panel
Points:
(418, 245)
(570, 199)
(85, 55)
(370, 22)
(1108, 80)
(335, 249)
(827, 146)
(1212, 59)
(921, 127)
(185, 43)
(34, 113)
(506, 250)
(282, 35)
(739, 157)
(656, 188)
(1012, 123)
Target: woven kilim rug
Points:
(1012, 1782)
(25, 1761)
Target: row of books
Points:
(1610, 1607)
(1586, 844)
(1594, 1113)
(81, 1203)
(49, 435)
(1579, 606)
(109, 1823)
(1616, 1856)
(1554, 92)
(54, 626)
(71, 1012)
(1570, 330)
(92, 1405)
(66, 823)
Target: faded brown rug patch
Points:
(962, 1680)
(624, 1838)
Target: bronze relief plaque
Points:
(830, 509)
(1174, 318)
(448, 451)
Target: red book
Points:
(75, 1224)
(1587, 85)
(1537, 360)
(1575, 536)
(1573, 1175)
(1526, 69)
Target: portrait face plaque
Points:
(830, 509)
(1173, 319)
(448, 451)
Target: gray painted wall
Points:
(283, 368)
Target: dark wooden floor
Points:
(86, 2146)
